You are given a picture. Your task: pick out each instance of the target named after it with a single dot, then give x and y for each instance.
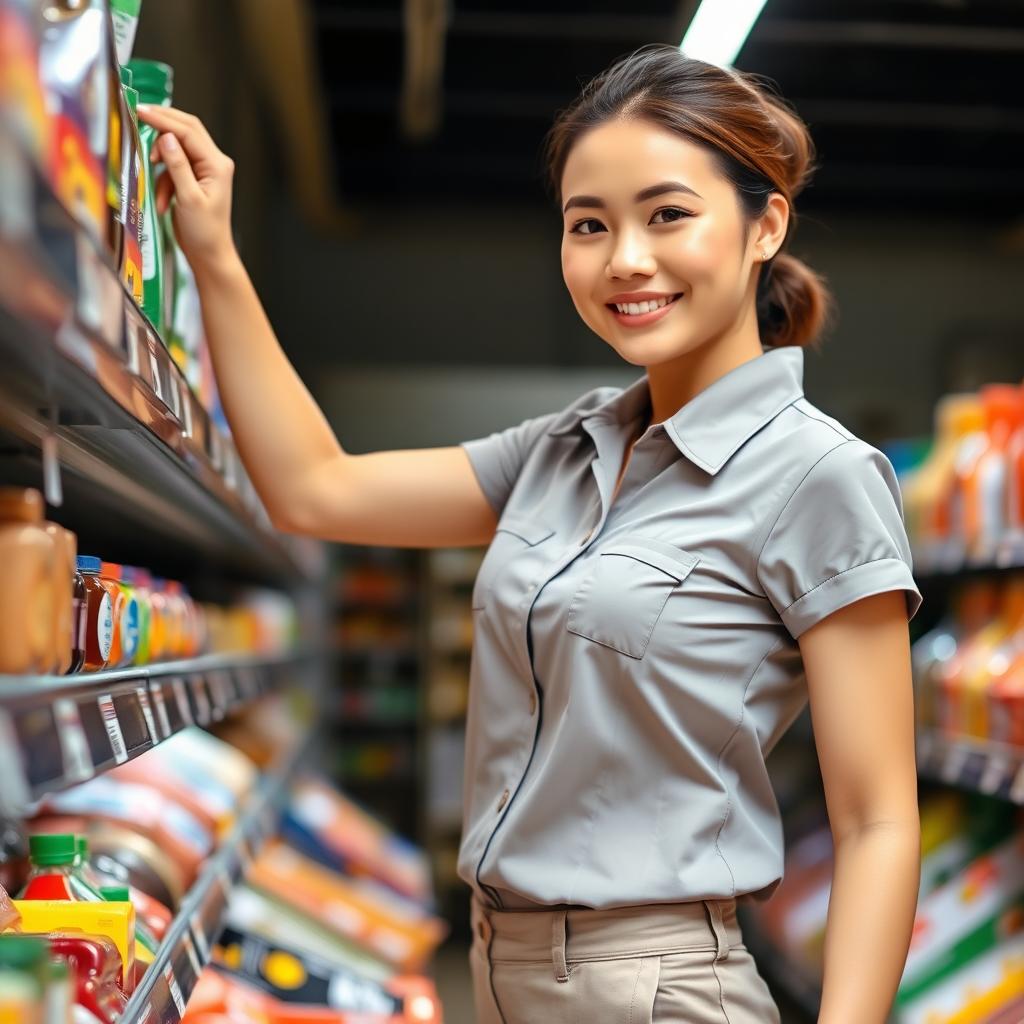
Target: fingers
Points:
(180, 170)
(207, 160)
(164, 192)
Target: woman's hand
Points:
(199, 176)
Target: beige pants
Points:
(675, 963)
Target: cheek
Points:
(578, 272)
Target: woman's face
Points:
(684, 244)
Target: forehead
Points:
(616, 159)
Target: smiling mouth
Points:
(640, 308)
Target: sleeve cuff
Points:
(851, 585)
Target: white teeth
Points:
(648, 306)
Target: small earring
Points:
(764, 256)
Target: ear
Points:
(770, 233)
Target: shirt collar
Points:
(711, 426)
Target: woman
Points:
(674, 570)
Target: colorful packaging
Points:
(125, 17)
(398, 931)
(97, 968)
(113, 921)
(76, 64)
(133, 193)
(98, 614)
(153, 81)
(23, 976)
(333, 830)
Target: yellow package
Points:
(114, 921)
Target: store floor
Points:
(450, 972)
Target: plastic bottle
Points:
(84, 871)
(66, 548)
(130, 620)
(143, 936)
(23, 970)
(53, 868)
(27, 602)
(79, 620)
(97, 967)
(985, 508)
(139, 580)
(158, 623)
(154, 82)
(99, 617)
(110, 577)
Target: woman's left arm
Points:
(859, 680)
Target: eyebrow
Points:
(647, 193)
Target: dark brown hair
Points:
(756, 141)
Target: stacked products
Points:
(335, 933)
(966, 958)
(964, 504)
(65, 612)
(969, 669)
(68, 94)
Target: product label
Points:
(130, 628)
(113, 726)
(105, 627)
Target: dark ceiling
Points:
(915, 106)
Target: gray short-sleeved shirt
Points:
(633, 665)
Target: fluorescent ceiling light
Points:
(719, 29)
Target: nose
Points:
(630, 255)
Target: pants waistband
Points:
(573, 934)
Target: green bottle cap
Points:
(153, 80)
(115, 893)
(22, 952)
(82, 847)
(49, 850)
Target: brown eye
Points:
(575, 229)
(674, 210)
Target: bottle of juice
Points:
(27, 603)
(23, 970)
(53, 868)
(98, 970)
(153, 82)
(130, 621)
(66, 546)
(158, 623)
(139, 581)
(964, 504)
(84, 871)
(99, 615)
(985, 507)
(110, 577)
(143, 936)
(79, 620)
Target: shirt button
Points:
(503, 800)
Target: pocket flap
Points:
(531, 530)
(664, 556)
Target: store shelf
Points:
(791, 978)
(83, 367)
(56, 731)
(170, 979)
(995, 769)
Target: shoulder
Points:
(811, 443)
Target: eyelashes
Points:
(682, 214)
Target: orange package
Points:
(397, 930)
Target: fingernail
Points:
(170, 143)
(142, 106)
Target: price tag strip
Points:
(172, 984)
(157, 690)
(113, 726)
(193, 958)
(184, 708)
(199, 934)
(74, 747)
(147, 712)
(203, 710)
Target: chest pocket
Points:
(513, 538)
(621, 600)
